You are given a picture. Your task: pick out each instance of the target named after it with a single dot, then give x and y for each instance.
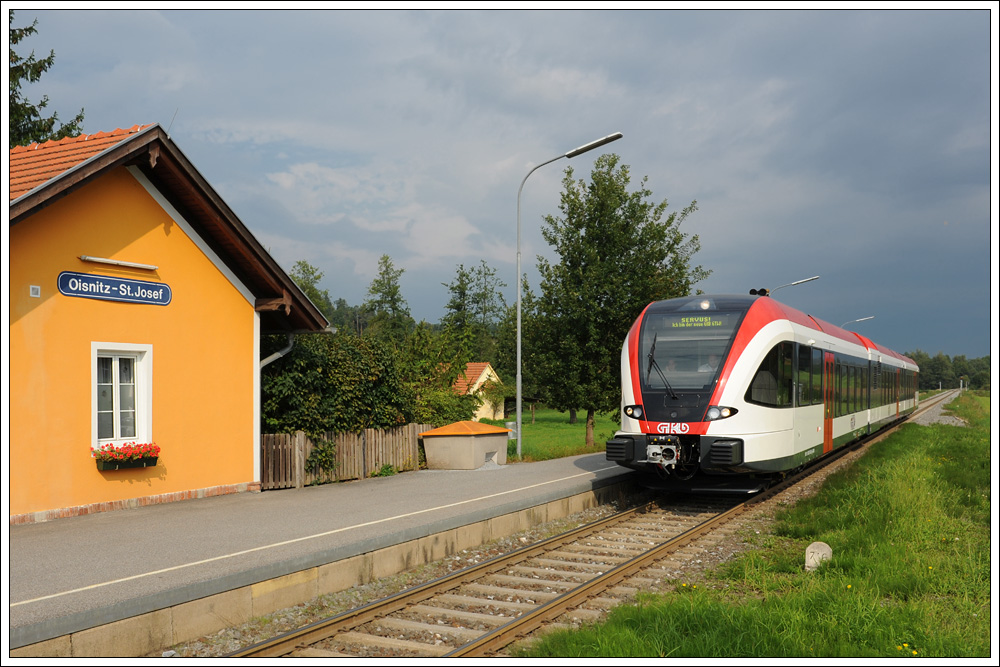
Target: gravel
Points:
(936, 415)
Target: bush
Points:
(333, 383)
(440, 406)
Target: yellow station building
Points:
(137, 304)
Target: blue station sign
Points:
(108, 288)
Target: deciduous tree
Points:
(474, 308)
(307, 277)
(390, 321)
(618, 250)
(458, 324)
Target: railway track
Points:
(479, 609)
(564, 580)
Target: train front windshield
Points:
(683, 350)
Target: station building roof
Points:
(42, 173)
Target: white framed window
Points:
(121, 393)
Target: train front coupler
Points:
(663, 450)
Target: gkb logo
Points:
(672, 428)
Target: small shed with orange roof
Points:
(137, 303)
(472, 380)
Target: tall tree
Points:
(458, 323)
(506, 357)
(307, 277)
(474, 308)
(488, 304)
(488, 308)
(26, 121)
(617, 253)
(391, 321)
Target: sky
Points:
(855, 144)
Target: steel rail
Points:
(548, 612)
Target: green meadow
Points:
(550, 435)
(910, 527)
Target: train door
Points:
(829, 398)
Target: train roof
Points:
(767, 309)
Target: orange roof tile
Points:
(35, 164)
(466, 428)
(473, 371)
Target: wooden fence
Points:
(358, 455)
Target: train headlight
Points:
(716, 412)
(633, 411)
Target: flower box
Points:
(109, 464)
(128, 455)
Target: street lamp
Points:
(870, 317)
(797, 282)
(571, 154)
(763, 291)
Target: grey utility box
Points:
(465, 445)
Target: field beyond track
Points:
(549, 434)
(910, 528)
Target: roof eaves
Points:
(81, 166)
(250, 241)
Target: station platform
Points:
(128, 581)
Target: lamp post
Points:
(763, 291)
(797, 282)
(870, 317)
(571, 154)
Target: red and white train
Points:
(731, 391)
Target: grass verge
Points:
(909, 526)
(552, 436)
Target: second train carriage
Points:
(720, 387)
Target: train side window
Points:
(836, 389)
(881, 385)
(875, 370)
(786, 393)
(848, 389)
(772, 383)
(856, 389)
(841, 389)
(852, 394)
(804, 376)
(817, 373)
(865, 387)
(845, 394)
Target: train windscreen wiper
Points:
(653, 364)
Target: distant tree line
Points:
(947, 372)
